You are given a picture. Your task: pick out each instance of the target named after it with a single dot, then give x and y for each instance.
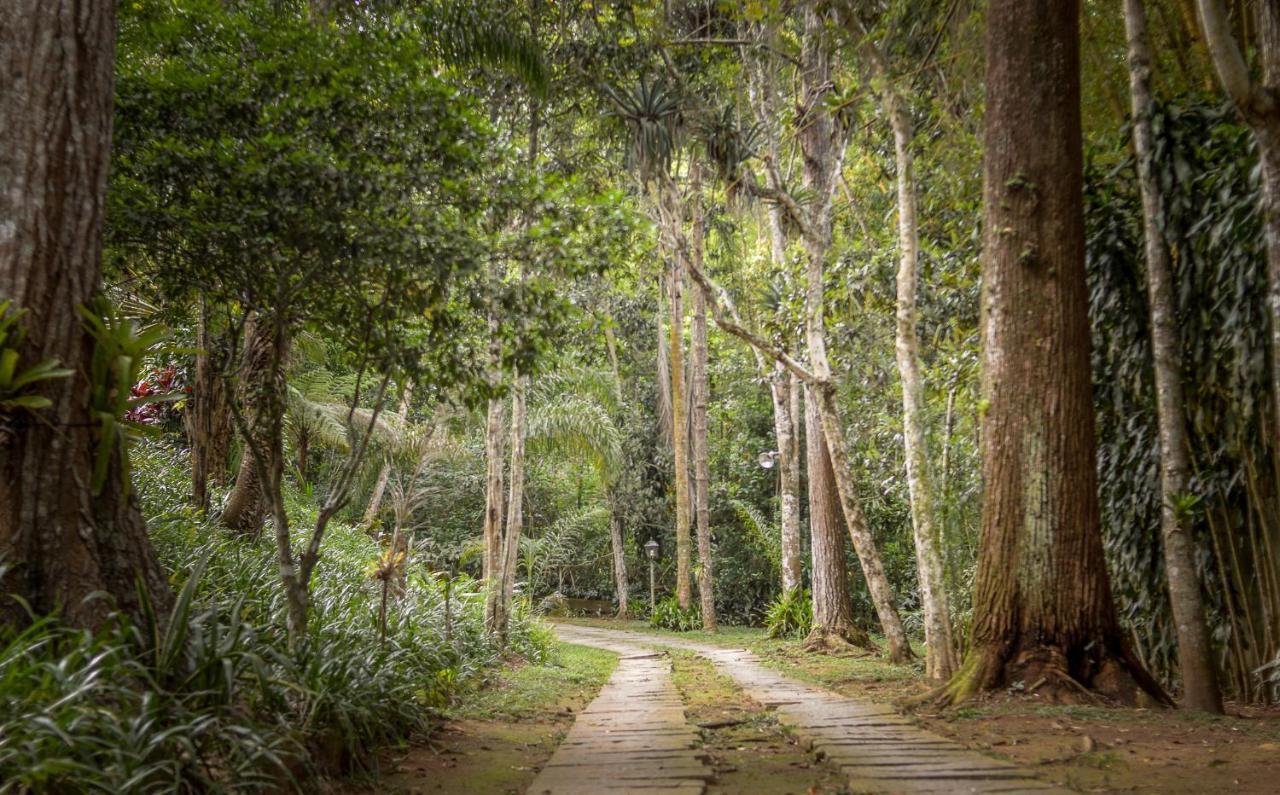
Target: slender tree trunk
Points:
(940, 662)
(61, 543)
(209, 425)
(833, 626)
(502, 595)
(1258, 103)
(783, 388)
(1043, 613)
(261, 388)
(701, 468)
(618, 549)
(823, 147)
(679, 435)
(374, 507)
(1195, 651)
(495, 500)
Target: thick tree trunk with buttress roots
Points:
(1043, 613)
(261, 388)
(59, 542)
(940, 656)
(1195, 650)
(833, 626)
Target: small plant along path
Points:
(632, 738)
(877, 749)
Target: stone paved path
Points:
(632, 739)
(877, 748)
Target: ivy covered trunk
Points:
(833, 625)
(1043, 614)
(1195, 650)
(60, 543)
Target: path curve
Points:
(633, 738)
(878, 749)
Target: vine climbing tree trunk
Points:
(701, 473)
(1043, 613)
(61, 543)
(833, 625)
(1195, 651)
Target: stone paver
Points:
(633, 738)
(877, 748)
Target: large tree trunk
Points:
(833, 626)
(823, 147)
(1043, 613)
(679, 433)
(494, 499)
(60, 542)
(1259, 104)
(209, 426)
(261, 394)
(940, 660)
(1195, 651)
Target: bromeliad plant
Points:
(119, 351)
(14, 382)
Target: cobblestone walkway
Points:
(878, 749)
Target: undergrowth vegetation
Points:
(210, 698)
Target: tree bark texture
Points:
(209, 425)
(618, 549)
(502, 596)
(1195, 650)
(261, 395)
(783, 388)
(1043, 612)
(822, 144)
(940, 660)
(833, 625)
(60, 542)
(679, 433)
(494, 499)
(701, 468)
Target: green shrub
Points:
(790, 615)
(669, 615)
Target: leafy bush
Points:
(790, 615)
(669, 615)
(209, 698)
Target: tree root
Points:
(843, 640)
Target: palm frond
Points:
(576, 425)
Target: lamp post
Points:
(651, 551)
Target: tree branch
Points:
(1252, 100)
